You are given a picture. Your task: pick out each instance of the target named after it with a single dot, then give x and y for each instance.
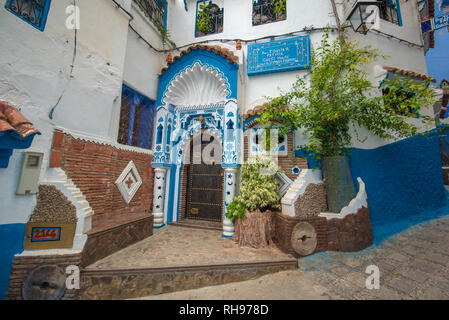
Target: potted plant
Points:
(336, 97)
(280, 8)
(252, 210)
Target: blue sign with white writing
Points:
(441, 21)
(280, 55)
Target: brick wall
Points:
(285, 162)
(94, 167)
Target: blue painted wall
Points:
(404, 183)
(12, 236)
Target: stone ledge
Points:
(112, 238)
(127, 283)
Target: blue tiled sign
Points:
(280, 55)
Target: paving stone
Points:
(412, 274)
(398, 257)
(340, 270)
(437, 258)
(343, 289)
(434, 293)
(427, 266)
(385, 293)
(399, 283)
(358, 279)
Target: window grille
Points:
(209, 19)
(136, 119)
(155, 10)
(389, 11)
(32, 11)
(264, 11)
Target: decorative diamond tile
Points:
(129, 182)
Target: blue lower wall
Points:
(11, 243)
(404, 183)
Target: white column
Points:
(159, 196)
(229, 190)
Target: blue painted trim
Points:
(179, 191)
(231, 165)
(398, 9)
(42, 23)
(154, 227)
(164, 165)
(171, 193)
(223, 236)
(196, 17)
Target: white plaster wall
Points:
(142, 63)
(237, 24)
(300, 14)
(35, 72)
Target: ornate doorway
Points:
(204, 193)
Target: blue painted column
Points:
(159, 196)
(229, 193)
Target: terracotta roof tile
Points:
(408, 73)
(255, 111)
(12, 120)
(225, 53)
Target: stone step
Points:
(101, 284)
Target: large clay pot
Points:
(339, 186)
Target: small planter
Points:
(45, 235)
(256, 230)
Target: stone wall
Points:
(352, 233)
(94, 167)
(23, 265)
(53, 206)
(312, 202)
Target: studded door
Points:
(204, 192)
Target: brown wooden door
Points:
(204, 192)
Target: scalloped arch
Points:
(198, 85)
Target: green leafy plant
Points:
(204, 21)
(336, 95)
(258, 188)
(280, 7)
(165, 35)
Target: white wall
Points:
(35, 72)
(142, 63)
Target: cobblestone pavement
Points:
(181, 246)
(413, 264)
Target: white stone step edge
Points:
(360, 200)
(297, 188)
(84, 212)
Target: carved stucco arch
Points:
(197, 85)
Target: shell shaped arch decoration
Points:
(198, 85)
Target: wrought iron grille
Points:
(263, 12)
(215, 22)
(389, 11)
(136, 119)
(29, 10)
(154, 10)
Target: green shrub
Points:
(258, 188)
